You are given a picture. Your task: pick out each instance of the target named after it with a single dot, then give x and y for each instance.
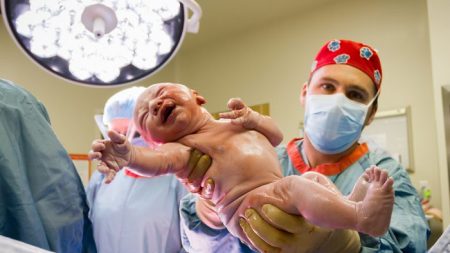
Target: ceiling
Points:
(222, 18)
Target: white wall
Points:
(439, 21)
(270, 63)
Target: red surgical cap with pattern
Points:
(356, 54)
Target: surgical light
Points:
(100, 42)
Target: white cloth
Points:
(135, 214)
(8, 245)
(442, 245)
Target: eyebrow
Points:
(328, 79)
(356, 87)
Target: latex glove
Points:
(199, 164)
(277, 231)
(193, 176)
(241, 114)
(268, 228)
(114, 154)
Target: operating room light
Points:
(100, 42)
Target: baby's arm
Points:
(118, 153)
(245, 116)
(170, 157)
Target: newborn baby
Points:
(241, 147)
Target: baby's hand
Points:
(109, 173)
(114, 154)
(241, 114)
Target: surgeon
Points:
(133, 213)
(42, 199)
(340, 99)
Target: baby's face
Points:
(165, 112)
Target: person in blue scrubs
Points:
(42, 199)
(340, 99)
(133, 213)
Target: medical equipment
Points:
(101, 44)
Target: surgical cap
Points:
(356, 54)
(121, 105)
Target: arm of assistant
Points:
(243, 115)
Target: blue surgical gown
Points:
(136, 215)
(408, 231)
(42, 199)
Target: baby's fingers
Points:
(94, 155)
(103, 168)
(235, 104)
(110, 176)
(98, 145)
(116, 137)
(235, 114)
(230, 115)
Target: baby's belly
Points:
(237, 177)
(230, 214)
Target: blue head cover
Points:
(121, 105)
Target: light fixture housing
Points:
(100, 43)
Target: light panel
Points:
(98, 42)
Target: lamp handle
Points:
(193, 23)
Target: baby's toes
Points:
(388, 185)
(383, 176)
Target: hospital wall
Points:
(271, 62)
(439, 19)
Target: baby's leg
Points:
(321, 179)
(375, 210)
(318, 200)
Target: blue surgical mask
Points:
(333, 123)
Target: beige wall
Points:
(438, 11)
(270, 63)
(71, 107)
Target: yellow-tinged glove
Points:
(273, 230)
(198, 165)
(193, 176)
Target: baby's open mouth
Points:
(166, 111)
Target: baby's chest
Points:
(232, 147)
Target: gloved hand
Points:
(241, 114)
(193, 176)
(273, 230)
(198, 165)
(114, 154)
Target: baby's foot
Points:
(360, 189)
(375, 210)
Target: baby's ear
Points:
(200, 99)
